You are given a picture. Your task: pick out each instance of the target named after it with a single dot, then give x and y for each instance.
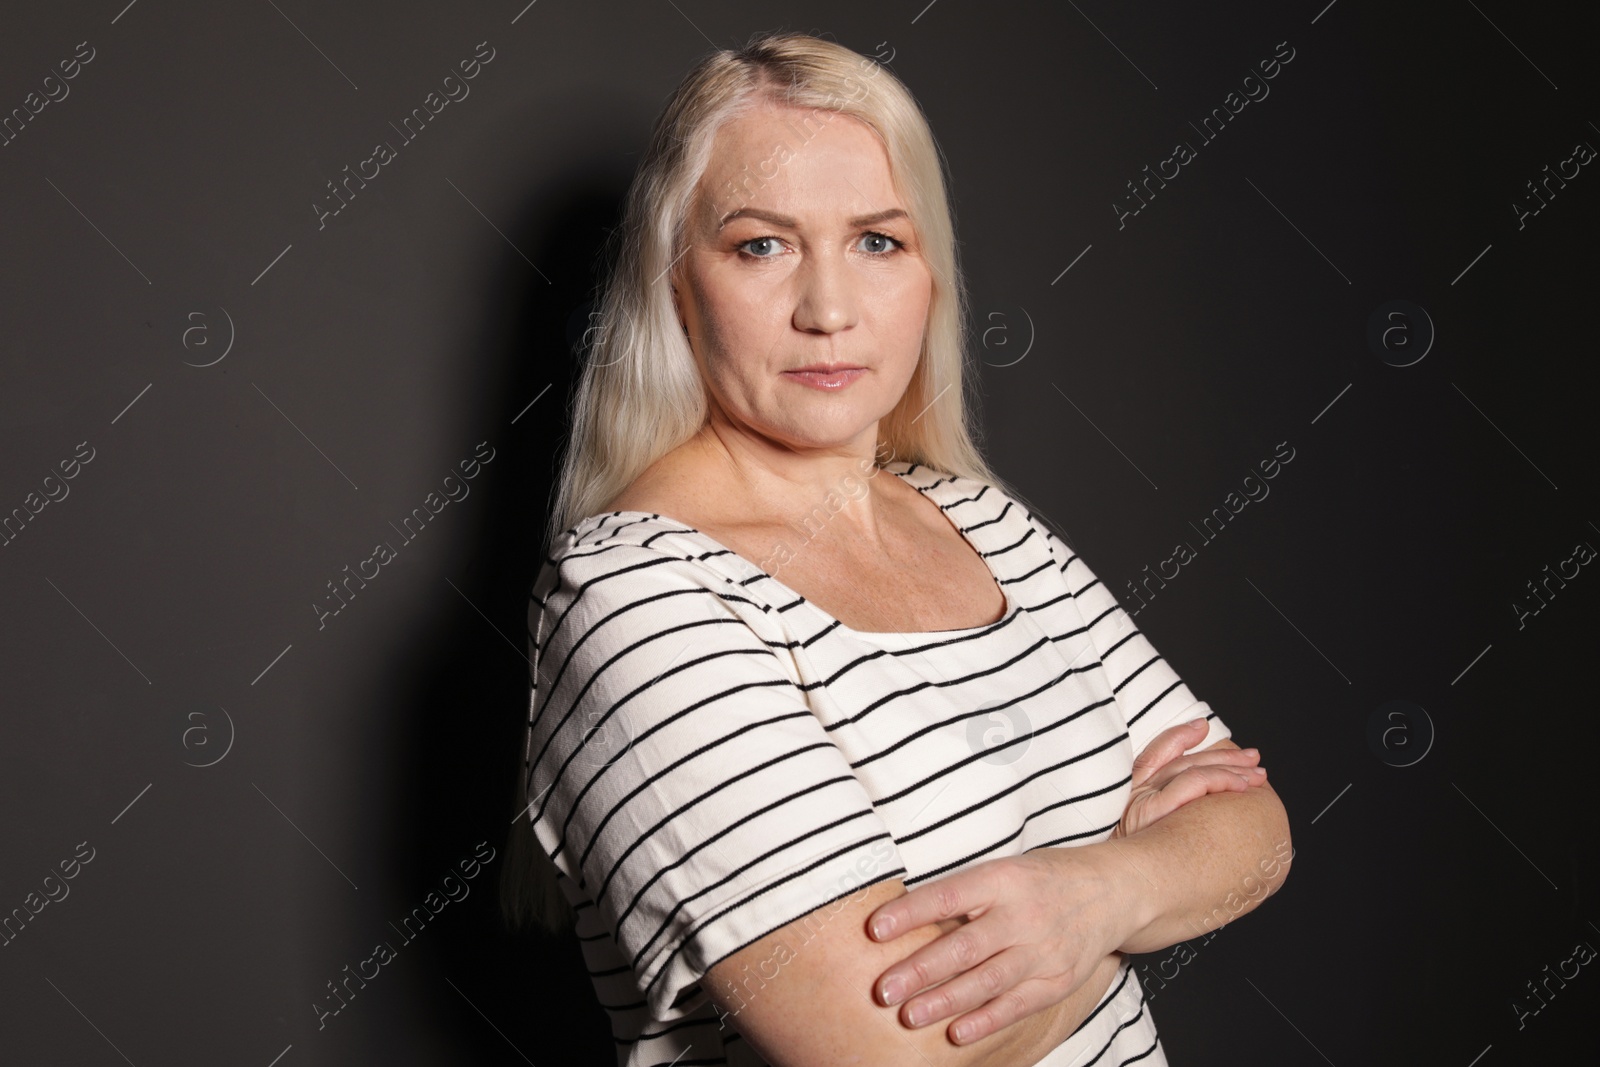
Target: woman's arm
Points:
(1164, 778)
(802, 997)
(1204, 865)
(1044, 919)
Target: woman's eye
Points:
(881, 244)
(887, 245)
(759, 241)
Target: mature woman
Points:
(780, 698)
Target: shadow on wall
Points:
(463, 704)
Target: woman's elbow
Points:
(802, 996)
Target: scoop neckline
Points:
(944, 479)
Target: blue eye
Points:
(754, 241)
(881, 237)
(889, 245)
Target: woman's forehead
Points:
(825, 169)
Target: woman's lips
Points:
(817, 379)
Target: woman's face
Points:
(801, 254)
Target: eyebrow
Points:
(784, 220)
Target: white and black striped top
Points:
(711, 756)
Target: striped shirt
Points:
(710, 756)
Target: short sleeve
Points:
(677, 775)
(1149, 692)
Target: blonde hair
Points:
(640, 393)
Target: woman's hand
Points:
(1164, 779)
(1024, 932)
(1036, 927)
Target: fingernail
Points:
(1251, 752)
(893, 990)
(917, 1015)
(883, 926)
(1258, 771)
(962, 1032)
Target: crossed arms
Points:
(1024, 946)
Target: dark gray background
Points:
(170, 592)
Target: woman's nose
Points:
(827, 298)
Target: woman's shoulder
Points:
(628, 556)
(619, 539)
(997, 516)
(646, 514)
(967, 500)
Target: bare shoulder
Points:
(669, 486)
